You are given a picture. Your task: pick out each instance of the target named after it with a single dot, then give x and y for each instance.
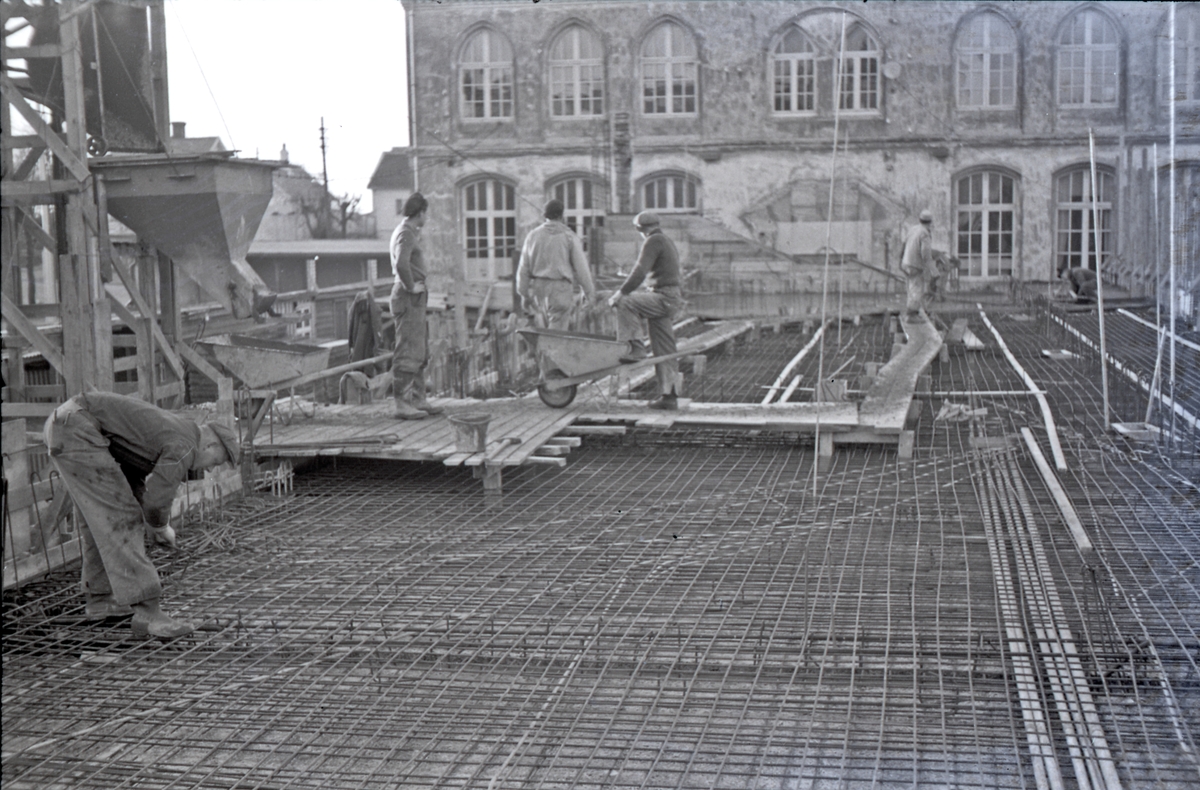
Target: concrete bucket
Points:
(202, 211)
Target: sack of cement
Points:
(957, 412)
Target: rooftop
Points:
(679, 607)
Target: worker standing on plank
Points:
(121, 460)
(916, 261)
(552, 264)
(658, 266)
(408, 302)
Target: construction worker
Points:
(121, 460)
(916, 261)
(658, 266)
(1082, 283)
(552, 265)
(409, 299)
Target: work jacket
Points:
(657, 264)
(155, 448)
(408, 264)
(917, 257)
(552, 251)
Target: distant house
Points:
(391, 184)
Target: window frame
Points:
(987, 52)
(574, 190)
(1089, 52)
(484, 268)
(672, 180)
(689, 65)
(576, 66)
(487, 85)
(1189, 15)
(855, 78)
(1108, 218)
(991, 228)
(794, 78)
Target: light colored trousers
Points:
(114, 542)
(411, 351)
(658, 309)
(551, 301)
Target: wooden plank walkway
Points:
(523, 430)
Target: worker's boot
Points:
(103, 607)
(636, 353)
(418, 396)
(667, 402)
(150, 620)
(402, 385)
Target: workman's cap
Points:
(646, 219)
(553, 209)
(927, 216)
(415, 204)
(229, 440)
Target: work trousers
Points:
(551, 302)
(114, 543)
(658, 309)
(411, 350)
(916, 282)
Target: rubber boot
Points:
(402, 384)
(418, 396)
(668, 402)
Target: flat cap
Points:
(228, 438)
(647, 219)
(926, 215)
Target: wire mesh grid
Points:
(676, 609)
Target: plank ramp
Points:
(884, 409)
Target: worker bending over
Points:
(121, 460)
(658, 266)
(1082, 283)
(552, 265)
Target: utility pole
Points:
(324, 167)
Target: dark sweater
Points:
(658, 264)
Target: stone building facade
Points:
(728, 111)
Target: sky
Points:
(261, 74)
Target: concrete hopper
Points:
(203, 211)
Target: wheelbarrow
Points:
(568, 359)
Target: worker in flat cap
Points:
(551, 267)
(657, 267)
(916, 261)
(409, 298)
(121, 460)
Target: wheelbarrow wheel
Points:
(559, 398)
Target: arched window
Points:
(987, 63)
(1088, 61)
(486, 72)
(1075, 236)
(1187, 58)
(860, 71)
(489, 210)
(576, 74)
(670, 193)
(795, 73)
(669, 71)
(583, 204)
(986, 206)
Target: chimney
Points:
(177, 129)
(283, 154)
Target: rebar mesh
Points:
(674, 609)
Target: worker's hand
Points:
(418, 288)
(164, 536)
(615, 298)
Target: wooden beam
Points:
(73, 163)
(130, 284)
(196, 360)
(18, 190)
(38, 232)
(17, 320)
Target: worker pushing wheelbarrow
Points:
(567, 359)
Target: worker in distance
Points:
(121, 460)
